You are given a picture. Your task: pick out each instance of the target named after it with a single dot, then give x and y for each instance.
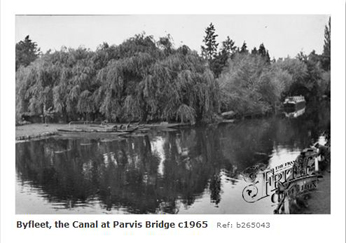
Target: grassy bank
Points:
(35, 130)
(39, 130)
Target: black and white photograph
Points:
(173, 114)
(181, 121)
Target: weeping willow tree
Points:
(71, 94)
(60, 92)
(119, 92)
(25, 77)
(55, 82)
(139, 80)
(79, 97)
(34, 85)
(187, 89)
(154, 86)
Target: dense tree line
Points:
(253, 84)
(26, 52)
(139, 80)
(147, 80)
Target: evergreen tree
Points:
(26, 52)
(244, 49)
(228, 47)
(264, 53)
(227, 51)
(326, 47)
(209, 51)
(262, 50)
(268, 57)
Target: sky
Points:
(282, 35)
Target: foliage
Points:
(26, 52)
(147, 80)
(186, 114)
(243, 85)
(262, 51)
(249, 86)
(324, 84)
(243, 49)
(310, 85)
(326, 47)
(141, 79)
(293, 74)
(227, 51)
(209, 51)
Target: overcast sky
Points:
(282, 35)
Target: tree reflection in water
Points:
(159, 172)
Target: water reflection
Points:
(295, 113)
(192, 170)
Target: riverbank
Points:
(33, 131)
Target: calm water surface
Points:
(186, 171)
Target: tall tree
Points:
(244, 49)
(254, 51)
(268, 57)
(209, 51)
(262, 51)
(26, 52)
(228, 47)
(227, 51)
(326, 47)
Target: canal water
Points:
(197, 170)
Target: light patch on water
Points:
(62, 151)
(113, 159)
(282, 155)
(105, 159)
(177, 143)
(108, 158)
(157, 147)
